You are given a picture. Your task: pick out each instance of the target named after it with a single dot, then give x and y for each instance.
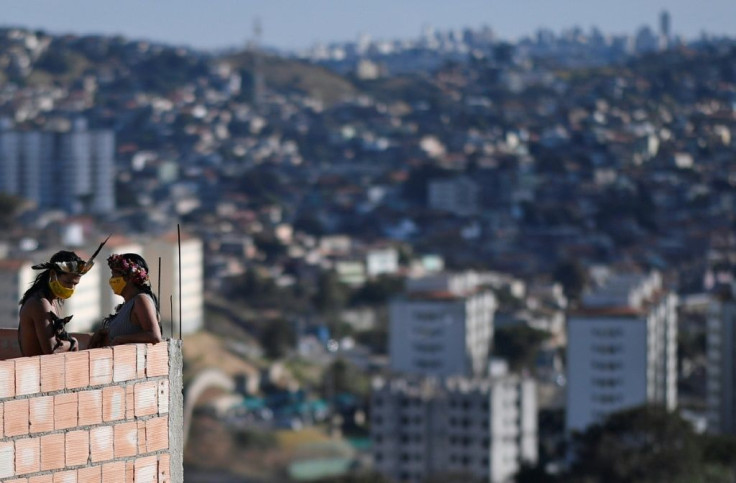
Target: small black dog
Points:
(59, 329)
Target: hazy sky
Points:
(297, 24)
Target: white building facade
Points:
(622, 349)
(721, 368)
(480, 427)
(441, 333)
(189, 301)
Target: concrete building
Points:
(189, 302)
(442, 332)
(479, 427)
(71, 170)
(16, 276)
(721, 369)
(621, 349)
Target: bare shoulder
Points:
(36, 308)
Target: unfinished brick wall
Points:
(101, 415)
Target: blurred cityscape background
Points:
(449, 256)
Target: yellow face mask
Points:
(117, 284)
(58, 289)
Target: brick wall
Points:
(103, 415)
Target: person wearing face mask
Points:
(42, 302)
(136, 320)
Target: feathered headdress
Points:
(78, 267)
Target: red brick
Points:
(164, 468)
(77, 448)
(27, 375)
(27, 456)
(52, 372)
(163, 396)
(90, 407)
(124, 362)
(113, 403)
(41, 414)
(42, 479)
(146, 469)
(101, 443)
(91, 474)
(157, 434)
(126, 439)
(129, 402)
(2, 422)
(65, 410)
(141, 437)
(114, 472)
(146, 402)
(52, 451)
(16, 417)
(130, 472)
(66, 477)
(140, 364)
(7, 459)
(157, 359)
(16, 480)
(100, 366)
(77, 369)
(7, 379)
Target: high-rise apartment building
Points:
(189, 301)
(71, 170)
(484, 428)
(442, 332)
(622, 349)
(721, 368)
(16, 277)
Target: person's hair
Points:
(41, 283)
(144, 287)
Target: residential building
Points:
(621, 350)
(721, 368)
(72, 170)
(442, 332)
(16, 276)
(480, 427)
(181, 310)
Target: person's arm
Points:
(144, 315)
(43, 325)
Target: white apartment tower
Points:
(189, 302)
(721, 368)
(16, 276)
(484, 428)
(442, 332)
(621, 350)
(72, 170)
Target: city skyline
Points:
(295, 26)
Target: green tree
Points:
(572, 275)
(518, 345)
(646, 444)
(9, 206)
(332, 295)
(278, 338)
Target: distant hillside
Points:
(286, 75)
